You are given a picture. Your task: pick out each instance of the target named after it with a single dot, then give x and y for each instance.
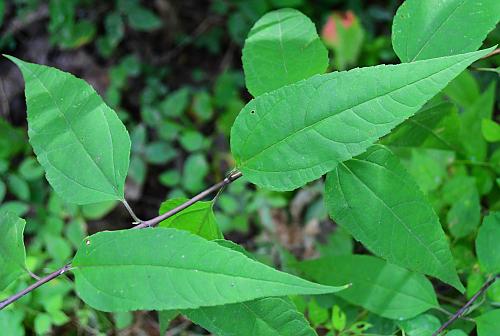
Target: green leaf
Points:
(377, 201)
(378, 286)
(11, 322)
(463, 90)
(295, 134)
(487, 247)
(79, 141)
(465, 213)
(175, 103)
(262, 317)
(343, 34)
(198, 219)
(488, 324)
(491, 130)
(282, 48)
(471, 135)
(424, 29)
(456, 332)
(12, 252)
(143, 19)
(165, 317)
(423, 325)
(436, 127)
(267, 316)
(163, 268)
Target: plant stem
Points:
(462, 310)
(154, 221)
(143, 224)
(34, 286)
(131, 212)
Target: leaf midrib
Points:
(168, 268)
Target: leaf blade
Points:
(402, 213)
(80, 142)
(118, 271)
(280, 140)
(13, 253)
(487, 240)
(276, 53)
(198, 219)
(451, 27)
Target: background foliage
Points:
(173, 72)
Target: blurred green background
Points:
(172, 71)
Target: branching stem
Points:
(143, 224)
(466, 306)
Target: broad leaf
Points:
(282, 48)
(80, 142)
(374, 198)
(293, 135)
(262, 317)
(433, 127)
(488, 324)
(487, 243)
(199, 218)
(378, 286)
(424, 29)
(12, 252)
(166, 268)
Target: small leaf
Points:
(198, 219)
(491, 130)
(422, 325)
(424, 29)
(79, 141)
(344, 35)
(377, 201)
(262, 317)
(165, 317)
(465, 213)
(488, 324)
(295, 134)
(282, 48)
(487, 248)
(12, 252)
(164, 269)
(378, 286)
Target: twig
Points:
(462, 310)
(154, 221)
(493, 53)
(149, 223)
(34, 286)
